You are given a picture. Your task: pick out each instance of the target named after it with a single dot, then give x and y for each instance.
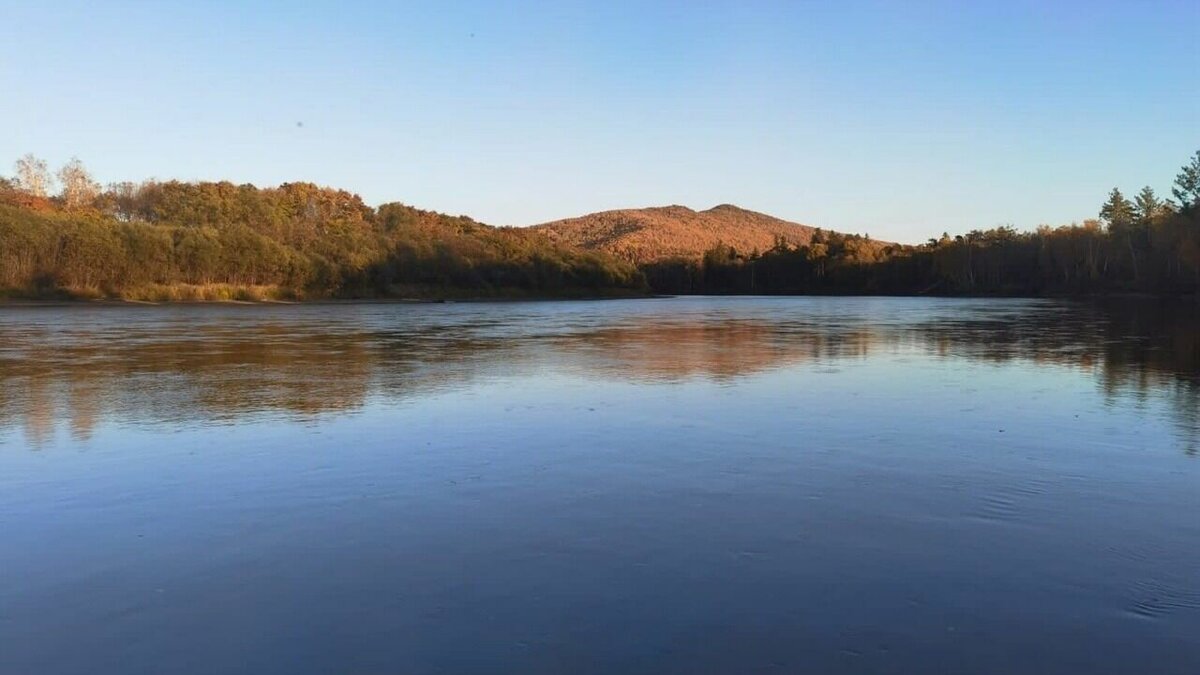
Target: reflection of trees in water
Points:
(1138, 349)
(174, 378)
(724, 350)
(215, 373)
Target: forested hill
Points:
(167, 240)
(209, 241)
(655, 234)
(1146, 244)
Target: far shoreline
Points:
(34, 302)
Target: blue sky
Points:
(899, 119)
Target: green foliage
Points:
(1117, 211)
(221, 240)
(1147, 206)
(1187, 186)
(314, 241)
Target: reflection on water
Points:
(73, 367)
(693, 485)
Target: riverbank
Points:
(265, 294)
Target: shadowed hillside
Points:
(665, 232)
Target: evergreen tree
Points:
(1147, 206)
(1120, 215)
(1187, 186)
(1117, 212)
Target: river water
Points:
(690, 485)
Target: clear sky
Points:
(899, 119)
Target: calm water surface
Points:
(694, 485)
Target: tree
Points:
(1117, 211)
(78, 188)
(121, 200)
(1120, 215)
(1147, 206)
(1187, 186)
(33, 176)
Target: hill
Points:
(219, 240)
(661, 233)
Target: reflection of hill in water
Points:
(666, 351)
(202, 372)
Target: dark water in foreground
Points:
(695, 485)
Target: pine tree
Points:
(1147, 206)
(1117, 211)
(1187, 186)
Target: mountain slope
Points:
(660, 233)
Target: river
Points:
(687, 485)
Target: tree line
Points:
(1147, 244)
(173, 239)
(220, 240)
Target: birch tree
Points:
(78, 188)
(33, 176)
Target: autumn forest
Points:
(62, 235)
